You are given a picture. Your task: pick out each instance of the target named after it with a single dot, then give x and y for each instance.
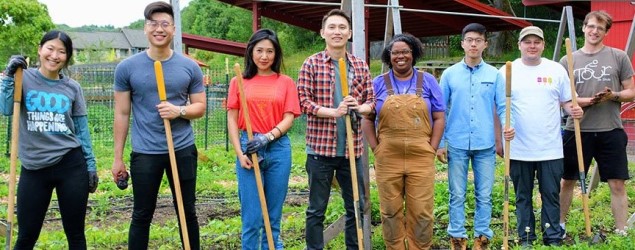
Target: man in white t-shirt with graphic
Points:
(540, 87)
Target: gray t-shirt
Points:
(182, 77)
(47, 131)
(340, 149)
(592, 72)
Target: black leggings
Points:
(69, 178)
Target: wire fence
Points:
(97, 83)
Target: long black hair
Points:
(263, 34)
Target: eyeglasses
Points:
(153, 24)
(470, 40)
(401, 52)
(599, 28)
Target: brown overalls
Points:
(405, 169)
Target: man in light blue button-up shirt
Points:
(474, 93)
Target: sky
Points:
(118, 13)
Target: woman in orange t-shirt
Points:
(273, 104)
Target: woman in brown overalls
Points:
(410, 121)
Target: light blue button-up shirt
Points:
(471, 96)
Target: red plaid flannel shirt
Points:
(316, 85)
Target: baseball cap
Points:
(531, 30)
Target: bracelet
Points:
(276, 127)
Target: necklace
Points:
(403, 89)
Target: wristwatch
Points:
(182, 111)
(270, 137)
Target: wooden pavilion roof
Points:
(443, 17)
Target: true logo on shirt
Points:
(544, 80)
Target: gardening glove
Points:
(605, 95)
(122, 180)
(355, 119)
(93, 181)
(255, 144)
(15, 62)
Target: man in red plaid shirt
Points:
(320, 92)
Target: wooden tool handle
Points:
(158, 72)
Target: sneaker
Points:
(480, 243)
(458, 243)
(620, 232)
(564, 233)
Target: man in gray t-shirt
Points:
(136, 92)
(603, 78)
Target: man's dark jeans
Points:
(321, 171)
(146, 171)
(548, 173)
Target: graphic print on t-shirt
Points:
(544, 80)
(45, 112)
(264, 97)
(592, 71)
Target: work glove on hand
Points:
(355, 119)
(122, 180)
(93, 181)
(255, 144)
(604, 95)
(14, 63)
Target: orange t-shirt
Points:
(268, 98)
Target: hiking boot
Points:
(458, 243)
(481, 243)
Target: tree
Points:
(22, 23)
(501, 41)
(223, 21)
(136, 25)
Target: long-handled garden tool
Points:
(578, 142)
(225, 101)
(254, 157)
(17, 100)
(158, 72)
(508, 104)
(351, 156)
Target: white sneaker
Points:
(621, 232)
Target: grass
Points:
(218, 208)
(219, 211)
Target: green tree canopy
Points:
(223, 21)
(22, 24)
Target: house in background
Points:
(100, 46)
(115, 46)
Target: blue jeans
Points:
(275, 168)
(69, 178)
(146, 171)
(483, 166)
(321, 170)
